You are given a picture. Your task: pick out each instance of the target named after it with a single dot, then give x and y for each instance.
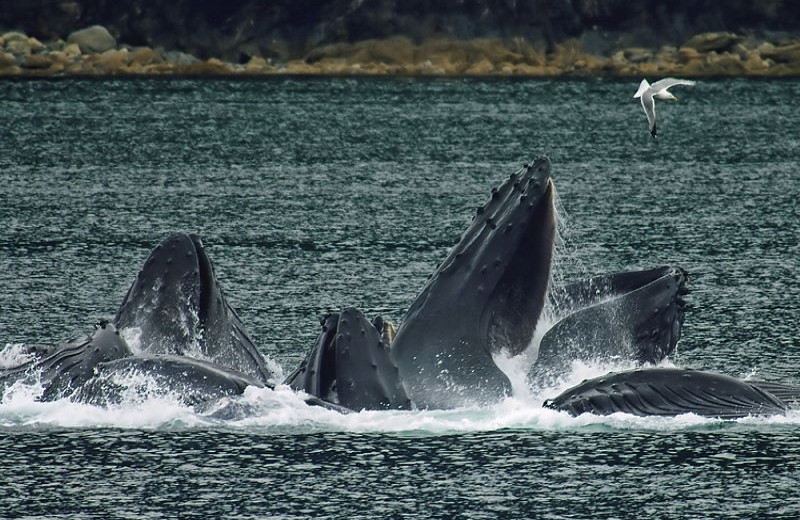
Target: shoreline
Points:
(94, 52)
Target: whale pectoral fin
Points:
(178, 306)
(668, 392)
(634, 317)
(365, 376)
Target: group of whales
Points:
(484, 300)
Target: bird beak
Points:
(674, 98)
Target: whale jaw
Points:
(485, 298)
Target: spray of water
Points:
(145, 405)
(14, 355)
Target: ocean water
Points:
(316, 194)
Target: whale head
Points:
(179, 309)
(485, 298)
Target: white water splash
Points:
(14, 355)
(133, 337)
(284, 411)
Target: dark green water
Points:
(312, 195)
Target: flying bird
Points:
(657, 90)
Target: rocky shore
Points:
(94, 51)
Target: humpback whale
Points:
(349, 365)
(485, 299)
(191, 343)
(178, 308)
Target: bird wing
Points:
(643, 86)
(649, 107)
(669, 82)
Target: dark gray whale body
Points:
(192, 344)
(349, 364)
(179, 309)
(675, 391)
(486, 299)
(63, 370)
(634, 316)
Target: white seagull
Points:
(657, 90)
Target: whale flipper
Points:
(673, 391)
(179, 309)
(349, 365)
(632, 316)
(485, 298)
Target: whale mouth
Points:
(519, 295)
(496, 276)
(168, 298)
(207, 281)
(505, 258)
(485, 298)
(180, 310)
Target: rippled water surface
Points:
(315, 194)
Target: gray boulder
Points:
(13, 36)
(93, 40)
(180, 58)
